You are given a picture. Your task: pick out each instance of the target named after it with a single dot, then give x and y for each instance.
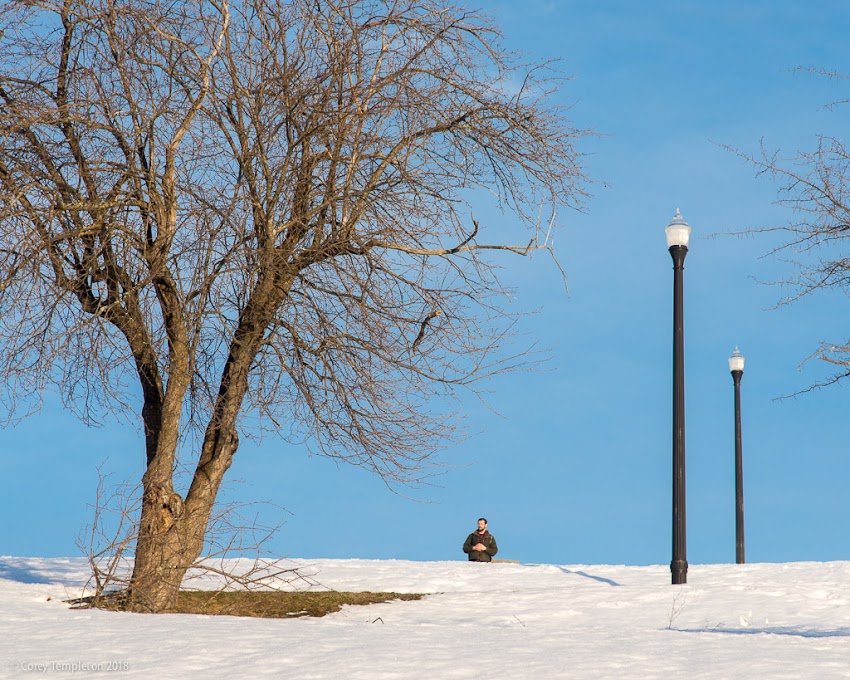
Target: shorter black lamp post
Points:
(736, 366)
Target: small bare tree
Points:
(108, 540)
(261, 208)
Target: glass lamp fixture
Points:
(678, 231)
(736, 361)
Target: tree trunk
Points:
(169, 542)
(171, 531)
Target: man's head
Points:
(482, 525)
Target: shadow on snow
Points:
(607, 581)
(792, 631)
(32, 571)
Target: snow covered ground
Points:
(494, 621)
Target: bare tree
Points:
(815, 186)
(261, 210)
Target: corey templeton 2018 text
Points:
(69, 666)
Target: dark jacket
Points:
(480, 555)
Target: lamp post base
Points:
(679, 569)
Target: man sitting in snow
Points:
(480, 545)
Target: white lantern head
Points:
(736, 361)
(678, 231)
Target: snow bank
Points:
(481, 620)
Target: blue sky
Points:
(572, 464)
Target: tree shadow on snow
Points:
(22, 571)
(607, 581)
(793, 631)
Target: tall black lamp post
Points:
(678, 233)
(736, 366)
